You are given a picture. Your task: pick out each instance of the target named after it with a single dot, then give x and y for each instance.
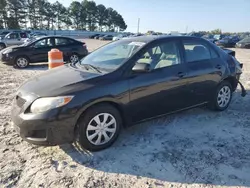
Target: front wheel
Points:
(222, 97)
(21, 62)
(99, 127)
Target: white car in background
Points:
(119, 37)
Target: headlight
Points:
(45, 104)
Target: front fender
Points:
(110, 100)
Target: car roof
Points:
(56, 36)
(150, 38)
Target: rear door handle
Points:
(181, 74)
(218, 66)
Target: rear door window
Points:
(198, 51)
(63, 41)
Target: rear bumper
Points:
(85, 52)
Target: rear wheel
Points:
(74, 58)
(222, 97)
(99, 127)
(22, 62)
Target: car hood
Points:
(59, 81)
(12, 47)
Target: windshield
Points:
(109, 57)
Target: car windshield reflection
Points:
(111, 56)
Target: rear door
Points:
(40, 49)
(67, 46)
(204, 69)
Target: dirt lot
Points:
(196, 148)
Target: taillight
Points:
(231, 61)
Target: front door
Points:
(161, 90)
(204, 70)
(40, 50)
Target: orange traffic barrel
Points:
(55, 58)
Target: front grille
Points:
(20, 101)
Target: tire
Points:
(91, 136)
(21, 62)
(2, 46)
(223, 93)
(74, 58)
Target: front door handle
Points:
(218, 66)
(181, 74)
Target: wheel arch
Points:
(110, 102)
(233, 81)
(18, 56)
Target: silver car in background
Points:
(13, 38)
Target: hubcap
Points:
(22, 62)
(224, 96)
(74, 58)
(101, 129)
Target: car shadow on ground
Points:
(196, 146)
(39, 66)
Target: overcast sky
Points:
(179, 15)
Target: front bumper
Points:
(49, 128)
(6, 58)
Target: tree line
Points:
(41, 14)
(219, 31)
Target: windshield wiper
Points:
(93, 67)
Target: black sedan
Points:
(209, 38)
(98, 36)
(123, 83)
(93, 36)
(244, 43)
(37, 51)
(106, 37)
(227, 42)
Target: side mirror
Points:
(141, 67)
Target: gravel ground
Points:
(196, 148)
